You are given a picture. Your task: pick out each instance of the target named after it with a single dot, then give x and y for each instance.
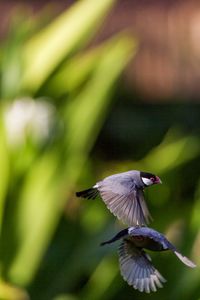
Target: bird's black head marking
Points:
(147, 175)
(149, 178)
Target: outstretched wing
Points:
(137, 269)
(160, 242)
(126, 203)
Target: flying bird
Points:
(123, 195)
(135, 264)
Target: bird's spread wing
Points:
(127, 205)
(137, 269)
(161, 240)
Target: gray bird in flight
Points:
(135, 264)
(123, 195)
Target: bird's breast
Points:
(138, 241)
(147, 243)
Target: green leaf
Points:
(45, 51)
(9, 292)
(4, 169)
(38, 207)
(67, 79)
(36, 212)
(86, 113)
(98, 284)
(171, 153)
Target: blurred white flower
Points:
(27, 117)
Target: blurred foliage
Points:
(57, 96)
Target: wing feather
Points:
(130, 207)
(137, 269)
(185, 260)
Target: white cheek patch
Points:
(147, 181)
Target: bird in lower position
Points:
(135, 264)
(123, 195)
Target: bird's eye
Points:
(153, 179)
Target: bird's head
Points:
(149, 179)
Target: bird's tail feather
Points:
(89, 193)
(185, 260)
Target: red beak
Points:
(157, 181)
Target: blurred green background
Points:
(68, 119)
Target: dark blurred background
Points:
(90, 89)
